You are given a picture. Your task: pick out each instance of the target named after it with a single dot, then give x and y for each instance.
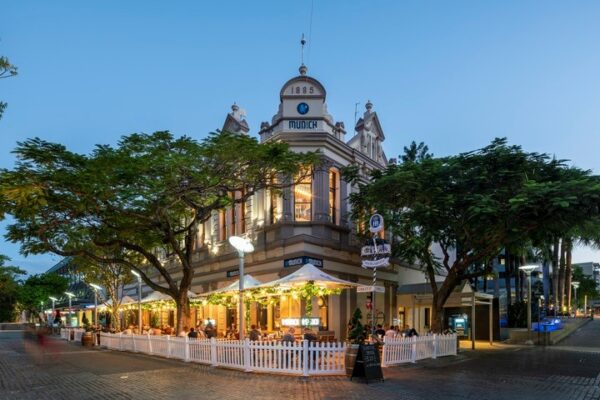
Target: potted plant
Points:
(87, 339)
(356, 337)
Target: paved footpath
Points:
(66, 371)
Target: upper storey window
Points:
(333, 195)
(303, 199)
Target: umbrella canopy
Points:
(311, 273)
(234, 287)
(158, 296)
(124, 300)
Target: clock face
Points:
(302, 108)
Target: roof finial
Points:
(302, 68)
(302, 43)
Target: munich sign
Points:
(303, 124)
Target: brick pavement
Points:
(67, 371)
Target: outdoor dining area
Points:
(287, 328)
(299, 300)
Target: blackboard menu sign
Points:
(368, 364)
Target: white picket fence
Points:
(65, 333)
(401, 350)
(299, 358)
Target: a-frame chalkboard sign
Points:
(368, 364)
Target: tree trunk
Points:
(546, 283)
(517, 274)
(569, 258)
(561, 276)
(184, 318)
(437, 316)
(555, 272)
(523, 278)
(507, 272)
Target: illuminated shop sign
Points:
(233, 272)
(299, 261)
(306, 321)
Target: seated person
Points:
(193, 334)
(310, 335)
(289, 337)
(254, 333)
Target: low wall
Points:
(15, 326)
(520, 335)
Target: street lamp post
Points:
(139, 278)
(242, 246)
(71, 295)
(575, 285)
(96, 288)
(51, 323)
(528, 269)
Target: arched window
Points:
(334, 195)
(303, 198)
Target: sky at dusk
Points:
(452, 74)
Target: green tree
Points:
(416, 153)
(587, 286)
(38, 288)
(6, 71)
(9, 289)
(473, 205)
(112, 278)
(131, 204)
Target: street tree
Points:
(112, 278)
(473, 205)
(127, 205)
(10, 281)
(37, 289)
(587, 286)
(6, 71)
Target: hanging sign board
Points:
(369, 289)
(368, 364)
(375, 223)
(382, 262)
(381, 249)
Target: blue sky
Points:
(452, 74)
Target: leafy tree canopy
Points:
(6, 71)
(587, 286)
(38, 288)
(122, 204)
(10, 281)
(472, 205)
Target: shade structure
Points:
(158, 296)
(124, 300)
(249, 283)
(310, 273)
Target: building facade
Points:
(307, 222)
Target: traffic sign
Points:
(375, 223)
